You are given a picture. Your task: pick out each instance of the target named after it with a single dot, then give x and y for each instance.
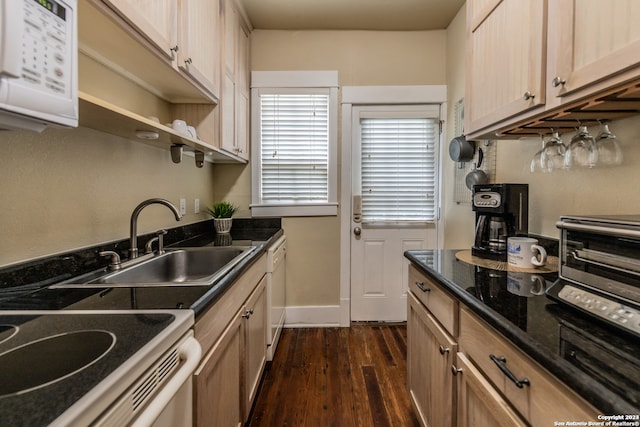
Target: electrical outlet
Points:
(183, 206)
(196, 206)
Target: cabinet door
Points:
(506, 51)
(228, 114)
(199, 43)
(479, 404)
(217, 391)
(231, 22)
(430, 353)
(595, 40)
(155, 21)
(255, 342)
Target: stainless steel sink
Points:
(200, 266)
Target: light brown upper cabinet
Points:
(593, 40)
(199, 43)
(506, 43)
(235, 85)
(167, 45)
(540, 64)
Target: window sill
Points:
(284, 210)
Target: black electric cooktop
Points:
(49, 361)
(585, 353)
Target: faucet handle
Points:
(159, 237)
(114, 263)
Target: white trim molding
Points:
(327, 316)
(369, 95)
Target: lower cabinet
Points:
(233, 334)
(479, 404)
(217, 381)
(430, 353)
(536, 395)
(469, 375)
(255, 343)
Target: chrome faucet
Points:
(133, 238)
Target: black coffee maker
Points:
(502, 211)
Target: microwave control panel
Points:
(46, 50)
(623, 316)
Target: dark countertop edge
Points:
(217, 290)
(589, 389)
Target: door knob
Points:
(357, 231)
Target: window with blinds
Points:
(294, 134)
(399, 169)
(294, 143)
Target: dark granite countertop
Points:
(534, 324)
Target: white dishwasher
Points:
(276, 284)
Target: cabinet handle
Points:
(247, 313)
(455, 371)
(173, 51)
(528, 95)
(558, 81)
(444, 349)
(188, 61)
(422, 287)
(500, 362)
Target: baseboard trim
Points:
(321, 316)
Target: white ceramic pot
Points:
(222, 225)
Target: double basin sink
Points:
(197, 266)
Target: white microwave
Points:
(38, 64)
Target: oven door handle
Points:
(609, 231)
(190, 351)
(626, 265)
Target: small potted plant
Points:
(222, 213)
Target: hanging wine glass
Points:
(608, 146)
(536, 165)
(552, 156)
(582, 151)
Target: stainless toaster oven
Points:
(599, 267)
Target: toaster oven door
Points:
(602, 257)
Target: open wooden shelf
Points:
(101, 115)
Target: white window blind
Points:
(294, 133)
(399, 175)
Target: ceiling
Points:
(392, 15)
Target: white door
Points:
(394, 203)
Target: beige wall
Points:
(69, 188)
(598, 191)
(361, 58)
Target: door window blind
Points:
(399, 169)
(294, 132)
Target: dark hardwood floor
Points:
(338, 377)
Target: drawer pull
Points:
(444, 349)
(455, 371)
(422, 287)
(500, 362)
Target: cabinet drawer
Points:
(544, 399)
(435, 298)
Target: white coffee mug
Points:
(523, 252)
(192, 132)
(180, 126)
(525, 284)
